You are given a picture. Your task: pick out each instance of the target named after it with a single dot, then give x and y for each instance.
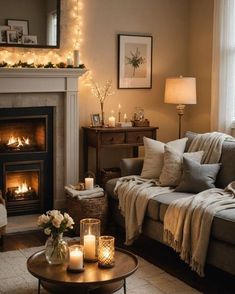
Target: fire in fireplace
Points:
(22, 185)
(23, 134)
(26, 159)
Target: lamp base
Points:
(180, 110)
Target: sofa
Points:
(221, 251)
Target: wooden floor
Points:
(216, 281)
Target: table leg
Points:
(39, 286)
(124, 286)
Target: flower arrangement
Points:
(101, 92)
(55, 223)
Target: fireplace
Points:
(26, 159)
(45, 87)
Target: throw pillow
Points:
(173, 165)
(153, 159)
(197, 177)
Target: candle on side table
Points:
(76, 257)
(89, 247)
(89, 183)
(112, 121)
(106, 251)
(89, 234)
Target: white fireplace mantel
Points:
(30, 80)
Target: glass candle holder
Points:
(106, 251)
(89, 234)
(76, 258)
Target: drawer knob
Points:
(111, 139)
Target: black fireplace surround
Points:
(26, 159)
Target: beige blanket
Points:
(211, 144)
(187, 223)
(134, 193)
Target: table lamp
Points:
(180, 91)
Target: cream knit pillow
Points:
(153, 159)
(173, 165)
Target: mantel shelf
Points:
(41, 72)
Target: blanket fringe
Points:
(168, 238)
(185, 255)
(195, 266)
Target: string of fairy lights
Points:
(71, 39)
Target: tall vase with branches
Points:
(101, 92)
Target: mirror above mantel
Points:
(30, 23)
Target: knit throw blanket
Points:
(187, 222)
(134, 193)
(211, 144)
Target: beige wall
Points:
(200, 62)
(167, 22)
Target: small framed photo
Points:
(3, 34)
(12, 37)
(134, 62)
(20, 26)
(29, 40)
(95, 120)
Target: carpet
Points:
(148, 279)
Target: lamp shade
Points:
(180, 90)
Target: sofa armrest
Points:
(131, 166)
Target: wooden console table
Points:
(99, 138)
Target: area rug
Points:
(148, 279)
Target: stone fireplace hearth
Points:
(58, 89)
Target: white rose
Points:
(54, 212)
(69, 220)
(43, 219)
(47, 231)
(58, 218)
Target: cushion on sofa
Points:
(153, 159)
(197, 177)
(173, 165)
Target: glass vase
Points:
(57, 250)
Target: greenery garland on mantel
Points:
(21, 64)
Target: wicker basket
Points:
(96, 207)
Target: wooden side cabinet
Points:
(99, 138)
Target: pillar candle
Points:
(112, 122)
(89, 183)
(69, 60)
(125, 117)
(89, 247)
(76, 58)
(76, 259)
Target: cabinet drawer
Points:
(137, 137)
(114, 138)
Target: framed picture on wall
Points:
(3, 34)
(32, 40)
(134, 61)
(12, 37)
(20, 26)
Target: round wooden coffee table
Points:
(94, 280)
